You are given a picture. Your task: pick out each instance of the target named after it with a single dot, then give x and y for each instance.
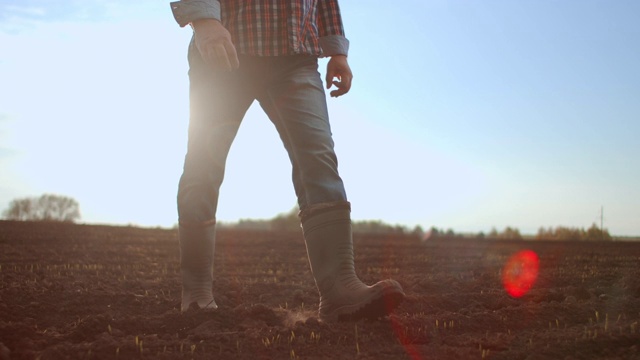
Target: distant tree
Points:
(545, 234)
(47, 207)
(251, 224)
(417, 231)
(286, 221)
(434, 232)
(510, 234)
(594, 233)
(377, 227)
(440, 234)
(430, 234)
(290, 221)
(565, 233)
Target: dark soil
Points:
(99, 292)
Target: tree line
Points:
(50, 207)
(290, 221)
(559, 233)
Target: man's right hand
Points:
(214, 44)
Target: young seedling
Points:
(357, 345)
(315, 337)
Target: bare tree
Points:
(47, 207)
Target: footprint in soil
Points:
(258, 314)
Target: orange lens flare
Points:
(520, 273)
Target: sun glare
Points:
(520, 273)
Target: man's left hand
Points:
(338, 68)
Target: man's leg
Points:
(296, 104)
(217, 105)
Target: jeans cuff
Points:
(195, 225)
(315, 209)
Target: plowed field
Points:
(100, 292)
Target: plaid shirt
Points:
(273, 27)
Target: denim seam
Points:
(282, 123)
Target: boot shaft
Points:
(197, 246)
(329, 242)
(329, 245)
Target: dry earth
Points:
(100, 292)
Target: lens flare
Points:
(520, 273)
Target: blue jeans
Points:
(291, 93)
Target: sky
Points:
(464, 115)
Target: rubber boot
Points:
(196, 266)
(343, 297)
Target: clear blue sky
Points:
(463, 114)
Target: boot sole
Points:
(377, 308)
(211, 306)
(379, 305)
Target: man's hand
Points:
(214, 43)
(338, 68)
